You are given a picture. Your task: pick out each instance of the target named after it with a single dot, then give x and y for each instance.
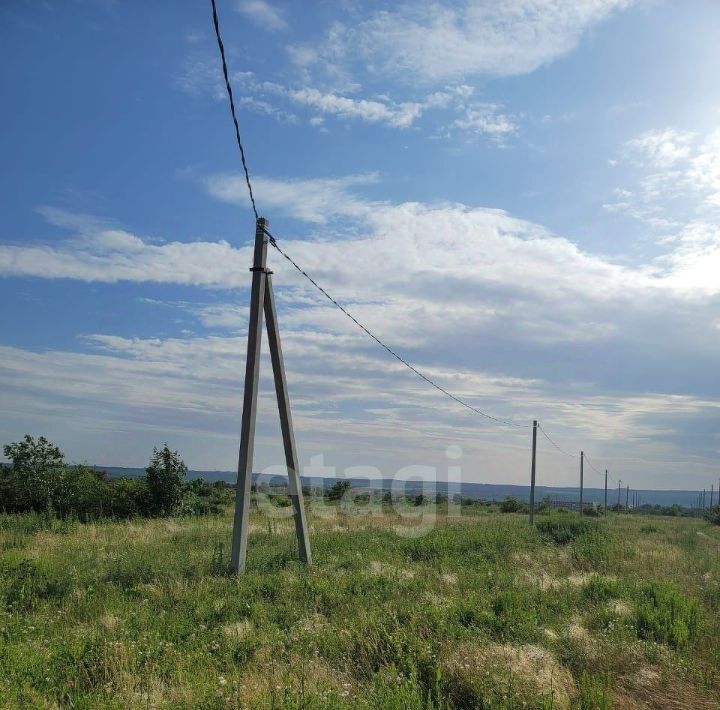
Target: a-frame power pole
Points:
(262, 300)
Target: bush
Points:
(564, 530)
(513, 505)
(127, 498)
(713, 515)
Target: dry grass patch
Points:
(481, 675)
(264, 682)
(649, 689)
(382, 569)
(238, 629)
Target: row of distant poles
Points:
(704, 500)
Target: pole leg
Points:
(606, 477)
(532, 474)
(249, 415)
(291, 458)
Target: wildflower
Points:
(222, 680)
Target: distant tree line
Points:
(39, 479)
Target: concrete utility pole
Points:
(627, 499)
(262, 299)
(532, 474)
(618, 505)
(712, 493)
(582, 463)
(606, 474)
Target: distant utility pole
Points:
(605, 491)
(532, 474)
(582, 474)
(627, 498)
(712, 492)
(618, 505)
(262, 299)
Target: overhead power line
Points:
(228, 88)
(592, 466)
(392, 352)
(557, 446)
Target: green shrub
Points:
(713, 515)
(127, 498)
(513, 505)
(665, 615)
(566, 529)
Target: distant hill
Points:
(476, 491)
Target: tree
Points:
(165, 479)
(338, 490)
(38, 474)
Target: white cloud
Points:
(264, 14)
(662, 148)
(99, 253)
(440, 41)
(202, 77)
(704, 172)
(485, 119)
(397, 115)
(314, 200)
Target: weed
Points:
(602, 589)
(666, 615)
(595, 692)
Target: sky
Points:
(522, 197)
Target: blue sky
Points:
(523, 197)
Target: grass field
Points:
(483, 612)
